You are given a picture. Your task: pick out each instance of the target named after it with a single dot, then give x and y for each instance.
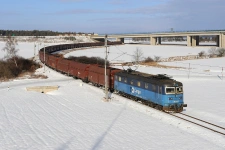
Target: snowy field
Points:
(75, 117)
(29, 49)
(26, 49)
(124, 53)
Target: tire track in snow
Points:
(11, 125)
(35, 130)
(25, 120)
(69, 116)
(62, 121)
(45, 125)
(48, 126)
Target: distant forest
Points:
(33, 33)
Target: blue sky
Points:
(112, 16)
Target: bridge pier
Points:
(218, 40)
(120, 39)
(195, 40)
(221, 41)
(159, 40)
(192, 40)
(188, 40)
(153, 40)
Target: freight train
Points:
(158, 91)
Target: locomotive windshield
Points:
(174, 90)
(179, 89)
(170, 90)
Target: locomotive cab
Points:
(173, 100)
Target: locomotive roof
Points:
(161, 79)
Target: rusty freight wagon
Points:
(63, 65)
(79, 70)
(96, 75)
(52, 61)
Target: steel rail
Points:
(203, 121)
(199, 124)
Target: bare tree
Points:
(148, 59)
(137, 57)
(201, 54)
(221, 52)
(10, 49)
(157, 58)
(212, 51)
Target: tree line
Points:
(34, 33)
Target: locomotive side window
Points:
(139, 83)
(146, 85)
(131, 82)
(119, 78)
(170, 90)
(125, 80)
(153, 88)
(179, 89)
(160, 90)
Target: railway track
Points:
(200, 122)
(188, 118)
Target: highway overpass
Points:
(155, 38)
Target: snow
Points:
(27, 49)
(124, 53)
(75, 117)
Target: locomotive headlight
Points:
(170, 98)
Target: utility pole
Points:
(189, 71)
(38, 47)
(106, 53)
(34, 49)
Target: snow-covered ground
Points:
(124, 53)
(29, 49)
(75, 117)
(26, 49)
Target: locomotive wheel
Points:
(179, 110)
(159, 107)
(151, 104)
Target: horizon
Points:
(122, 33)
(112, 16)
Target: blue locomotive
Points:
(158, 91)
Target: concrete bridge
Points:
(155, 38)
